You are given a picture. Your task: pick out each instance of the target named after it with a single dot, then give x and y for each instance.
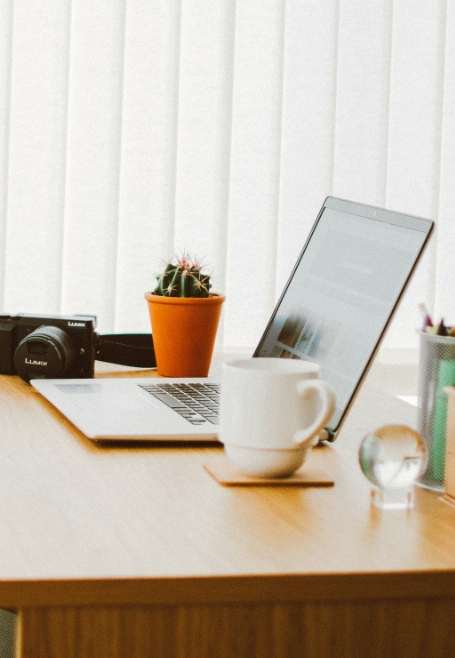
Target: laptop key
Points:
(169, 400)
(188, 412)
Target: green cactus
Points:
(184, 279)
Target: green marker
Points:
(446, 378)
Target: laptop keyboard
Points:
(197, 403)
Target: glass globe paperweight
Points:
(392, 458)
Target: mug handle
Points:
(327, 402)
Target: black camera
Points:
(48, 347)
(41, 346)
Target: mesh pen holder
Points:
(436, 370)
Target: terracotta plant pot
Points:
(184, 331)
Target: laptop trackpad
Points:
(93, 397)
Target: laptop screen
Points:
(343, 291)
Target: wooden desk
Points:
(120, 552)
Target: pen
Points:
(427, 321)
(442, 329)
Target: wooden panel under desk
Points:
(357, 629)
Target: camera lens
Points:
(47, 352)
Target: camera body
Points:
(44, 346)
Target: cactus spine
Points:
(184, 279)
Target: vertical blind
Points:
(131, 129)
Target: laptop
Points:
(334, 311)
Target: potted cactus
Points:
(184, 315)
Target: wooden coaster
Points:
(225, 473)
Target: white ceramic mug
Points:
(271, 413)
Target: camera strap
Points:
(126, 349)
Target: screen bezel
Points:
(367, 212)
